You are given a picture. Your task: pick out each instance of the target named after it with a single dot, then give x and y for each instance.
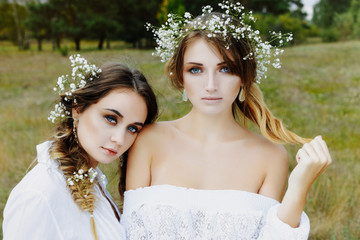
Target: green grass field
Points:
(316, 92)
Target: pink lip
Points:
(110, 151)
(211, 98)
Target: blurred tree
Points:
(12, 17)
(194, 6)
(324, 11)
(38, 21)
(17, 24)
(132, 16)
(355, 11)
(101, 23)
(344, 23)
(71, 18)
(284, 23)
(347, 23)
(167, 6)
(5, 19)
(293, 7)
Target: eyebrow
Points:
(121, 116)
(200, 64)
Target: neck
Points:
(209, 128)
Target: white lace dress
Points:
(170, 212)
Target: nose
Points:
(118, 137)
(211, 83)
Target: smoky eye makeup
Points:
(111, 119)
(133, 129)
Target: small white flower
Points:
(176, 28)
(82, 73)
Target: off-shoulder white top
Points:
(170, 212)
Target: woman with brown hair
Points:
(100, 113)
(205, 175)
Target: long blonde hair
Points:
(254, 107)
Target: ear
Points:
(75, 113)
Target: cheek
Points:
(192, 87)
(130, 140)
(89, 128)
(235, 86)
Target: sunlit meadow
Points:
(317, 91)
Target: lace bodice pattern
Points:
(169, 212)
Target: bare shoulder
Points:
(138, 172)
(154, 133)
(274, 161)
(267, 151)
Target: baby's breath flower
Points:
(82, 73)
(83, 180)
(169, 35)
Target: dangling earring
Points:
(242, 95)
(121, 160)
(74, 130)
(184, 96)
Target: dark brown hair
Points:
(65, 148)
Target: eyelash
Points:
(134, 131)
(192, 70)
(196, 70)
(227, 69)
(112, 120)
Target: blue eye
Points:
(225, 69)
(195, 70)
(111, 119)
(133, 129)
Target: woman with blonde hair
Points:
(99, 115)
(205, 175)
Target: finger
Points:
(301, 155)
(309, 149)
(318, 148)
(326, 150)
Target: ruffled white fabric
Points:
(41, 207)
(170, 212)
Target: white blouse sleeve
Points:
(27, 215)
(274, 228)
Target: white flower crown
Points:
(170, 34)
(82, 73)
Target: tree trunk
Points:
(17, 25)
(77, 44)
(58, 42)
(39, 40)
(26, 41)
(101, 42)
(140, 46)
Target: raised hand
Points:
(313, 158)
